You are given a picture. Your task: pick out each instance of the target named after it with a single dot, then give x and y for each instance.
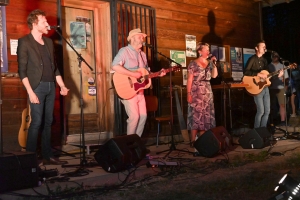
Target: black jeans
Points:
(46, 94)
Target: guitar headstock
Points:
(176, 68)
(293, 66)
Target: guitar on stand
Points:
(257, 84)
(127, 86)
(23, 132)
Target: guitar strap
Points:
(145, 64)
(140, 57)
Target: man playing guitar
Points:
(254, 66)
(128, 60)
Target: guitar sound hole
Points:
(140, 80)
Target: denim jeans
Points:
(42, 113)
(262, 101)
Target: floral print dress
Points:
(201, 112)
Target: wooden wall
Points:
(220, 22)
(14, 94)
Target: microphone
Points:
(147, 45)
(53, 27)
(270, 51)
(210, 56)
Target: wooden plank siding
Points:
(221, 22)
(227, 22)
(14, 95)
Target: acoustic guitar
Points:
(127, 86)
(23, 132)
(257, 84)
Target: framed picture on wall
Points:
(179, 57)
(3, 40)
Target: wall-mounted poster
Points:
(222, 54)
(190, 41)
(88, 26)
(3, 40)
(214, 50)
(179, 57)
(78, 34)
(247, 53)
(184, 76)
(236, 57)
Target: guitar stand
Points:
(286, 135)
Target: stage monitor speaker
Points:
(4, 2)
(18, 170)
(120, 153)
(256, 138)
(213, 141)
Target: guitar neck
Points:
(155, 74)
(277, 72)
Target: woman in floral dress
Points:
(201, 112)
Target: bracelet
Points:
(62, 86)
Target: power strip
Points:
(161, 163)
(48, 173)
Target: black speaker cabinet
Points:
(18, 170)
(4, 2)
(212, 142)
(257, 138)
(120, 153)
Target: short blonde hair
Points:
(200, 46)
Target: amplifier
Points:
(18, 170)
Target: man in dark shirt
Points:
(254, 66)
(39, 75)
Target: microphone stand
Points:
(173, 146)
(286, 133)
(83, 162)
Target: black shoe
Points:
(53, 161)
(283, 123)
(192, 143)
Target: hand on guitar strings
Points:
(136, 74)
(280, 73)
(262, 75)
(162, 73)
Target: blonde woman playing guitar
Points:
(254, 67)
